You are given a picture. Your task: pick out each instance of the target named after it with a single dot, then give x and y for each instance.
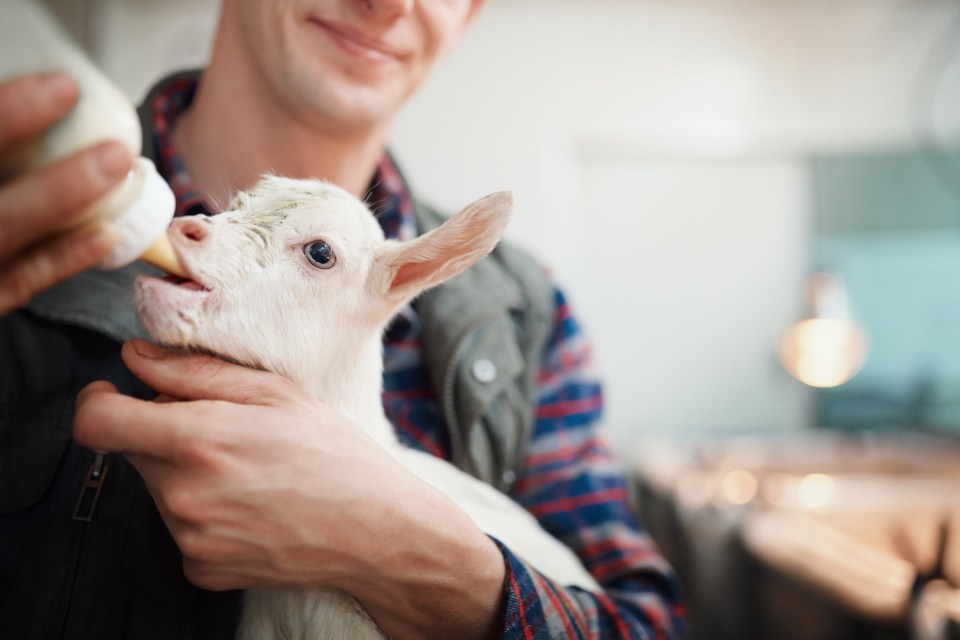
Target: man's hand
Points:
(263, 486)
(36, 204)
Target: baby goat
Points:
(313, 262)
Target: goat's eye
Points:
(320, 254)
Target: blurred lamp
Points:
(827, 347)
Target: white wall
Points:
(656, 150)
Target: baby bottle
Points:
(141, 206)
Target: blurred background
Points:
(754, 206)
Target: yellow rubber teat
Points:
(161, 255)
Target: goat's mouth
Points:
(172, 295)
(187, 284)
(172, 292)
(171, 308)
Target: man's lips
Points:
(356, 42)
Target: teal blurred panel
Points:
(890, 226)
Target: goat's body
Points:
(499, 516)
(329, 614)
(253, 255)
(314, 614)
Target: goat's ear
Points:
(408, 268)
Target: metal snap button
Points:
(484, 370)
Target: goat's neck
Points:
(355, 389)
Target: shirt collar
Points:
(387, 195)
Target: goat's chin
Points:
(171, 331)
(185, 339)
(248, 362)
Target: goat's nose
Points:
(191, 229)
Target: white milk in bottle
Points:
(141, 206)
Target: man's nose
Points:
(387, 7)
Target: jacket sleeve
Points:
(571, 482)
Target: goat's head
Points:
(297, 273)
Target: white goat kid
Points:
(296, 278)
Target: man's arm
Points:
(572, 484)
(35, 204)
(262, 486)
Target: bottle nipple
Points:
(160, 254)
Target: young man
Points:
(237, 479)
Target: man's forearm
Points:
(434, 574)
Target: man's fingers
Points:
(30, 104)
(46, 264)
(107, 420)
(37, 203)
(197, 376)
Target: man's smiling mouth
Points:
(355, 42)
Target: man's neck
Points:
(229, 137)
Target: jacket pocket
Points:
(32, 444)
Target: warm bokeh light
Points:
(828, 347)
(815, 490)
(823, 352)
(739, 486)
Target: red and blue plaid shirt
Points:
(569, 479)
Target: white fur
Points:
(262, 303)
